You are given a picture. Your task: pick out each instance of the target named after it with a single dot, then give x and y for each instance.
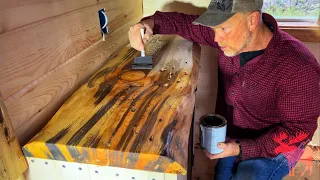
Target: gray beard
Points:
(243, 46)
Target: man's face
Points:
(233, 36)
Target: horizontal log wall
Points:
(49, 47)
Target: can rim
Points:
(216, 115)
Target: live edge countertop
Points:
(128, 118)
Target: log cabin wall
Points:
(48, 48)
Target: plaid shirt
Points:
(273, 101)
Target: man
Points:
(270, 85)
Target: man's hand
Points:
(229, 149)
(135, 37)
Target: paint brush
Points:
(142, 62)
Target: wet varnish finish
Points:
(128, 118)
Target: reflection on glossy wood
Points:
(123, 118)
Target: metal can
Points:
(213, 129)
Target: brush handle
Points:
(142, 36)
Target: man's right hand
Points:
(135, 36)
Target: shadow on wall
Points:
(182, 7)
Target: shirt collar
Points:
(275, 40)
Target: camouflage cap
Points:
(220, 11)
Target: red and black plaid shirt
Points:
(273, 101)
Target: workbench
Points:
(123, 123)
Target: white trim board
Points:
(46, 169)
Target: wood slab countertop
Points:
(128, 118)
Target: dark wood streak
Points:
(58, 136)
(147, 127)
(138, 115)
(95, 142)
(136, 118)
(56, 153)
(1, 116)
(104, 89)
(108, 70)
(166, 139)
(125, 114)
(6, 133)
(100, 74)
(92, 141)
(93, 120)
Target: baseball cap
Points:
(220, 11)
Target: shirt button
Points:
(232, 92)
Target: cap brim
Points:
(212, 19)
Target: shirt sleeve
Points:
(299, 107)
(181, 24)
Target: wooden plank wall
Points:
(49, 47)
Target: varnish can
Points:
(213, 130)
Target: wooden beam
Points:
(120, 118)
(12, 162)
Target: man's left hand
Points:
(229, 149)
